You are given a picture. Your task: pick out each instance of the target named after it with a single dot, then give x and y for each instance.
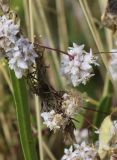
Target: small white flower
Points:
(113, 64)
(80, 152)
(8, 32)
(53, 120)
(77, 69)
(21, 56)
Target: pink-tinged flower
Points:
(78, 69)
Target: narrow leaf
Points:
(23, 117)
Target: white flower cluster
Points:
(113, 64)
(78, 68)
(80, 152)
(8, 32)
(71, 104)
(53, 120)
(17, 49)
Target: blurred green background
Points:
(60, 23)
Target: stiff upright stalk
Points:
(37, 103)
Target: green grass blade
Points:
(104, 105)
(23, 117)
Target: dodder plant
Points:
(59, 108)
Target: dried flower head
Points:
(72, 103)
(78, 69)
(109, 18)
(5, 6)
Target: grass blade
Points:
(23, 117)
(62, 26)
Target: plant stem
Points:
(37, 103)
(26, 10)
(57, 50)
(54, 49)
(31, 21)
(97, 39)
(39, 134)
(108, 32)
(47, 34)
(5, 74)
(62, 27)
(48, 151)
(94, 32)
(91, 101)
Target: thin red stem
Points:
(57, 50)
(63, 52)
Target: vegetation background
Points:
(60, 23)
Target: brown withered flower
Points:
(109, 18)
